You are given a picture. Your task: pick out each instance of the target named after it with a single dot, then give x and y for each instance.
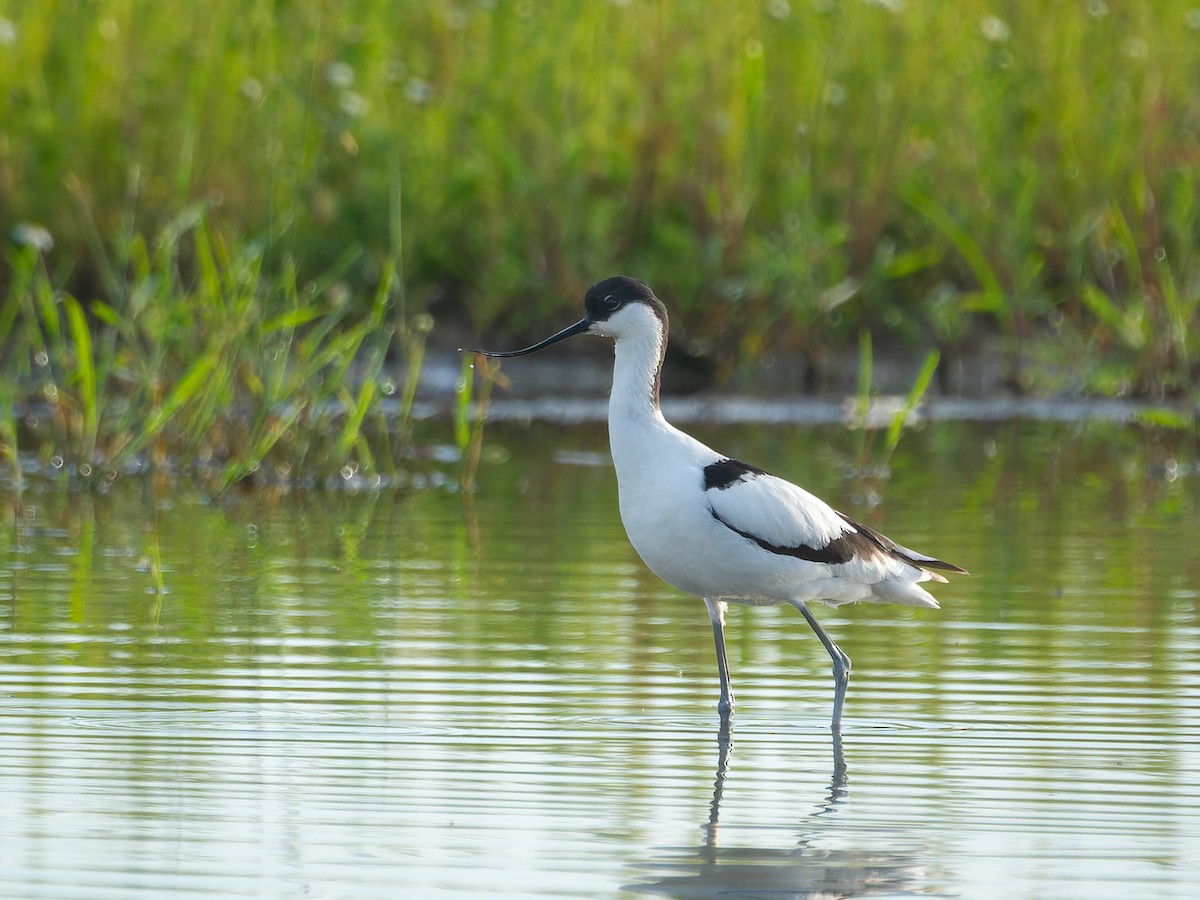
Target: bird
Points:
(716, 527)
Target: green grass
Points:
(230, 374)
(868, 461)
(785, 173)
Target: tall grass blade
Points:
(250, 461)
(462, 402)
(190, 387)
(368, 387)
(85, 377)
(489, 373)
(911, 402)
(862, 400)
(991, 297)
(1126, 325)
(361, 404)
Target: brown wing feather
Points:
(887, 545)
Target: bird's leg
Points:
(716, 614)
(841, 665)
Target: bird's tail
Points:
(906, 593)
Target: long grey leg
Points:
(716, 614)
(841, 665)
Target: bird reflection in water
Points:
(808, 870)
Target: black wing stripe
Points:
(841, 549)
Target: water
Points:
(382, 696)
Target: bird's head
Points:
(617, 307)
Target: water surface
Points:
(427, 694)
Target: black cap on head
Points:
(606, 297)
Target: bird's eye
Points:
(611, 303)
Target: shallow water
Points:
(426, 695)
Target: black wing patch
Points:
(727, 472)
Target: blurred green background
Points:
(787, 174)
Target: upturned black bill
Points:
(578, 328)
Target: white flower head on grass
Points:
(30, 234)
(8, 32)
(1135, 47)
(418, 91)
(994, 29)
(352, 104)
(252, 89)
(340, 75)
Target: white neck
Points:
(635, 378)
(635, 423)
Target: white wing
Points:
(773, 512)
(786, 519)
